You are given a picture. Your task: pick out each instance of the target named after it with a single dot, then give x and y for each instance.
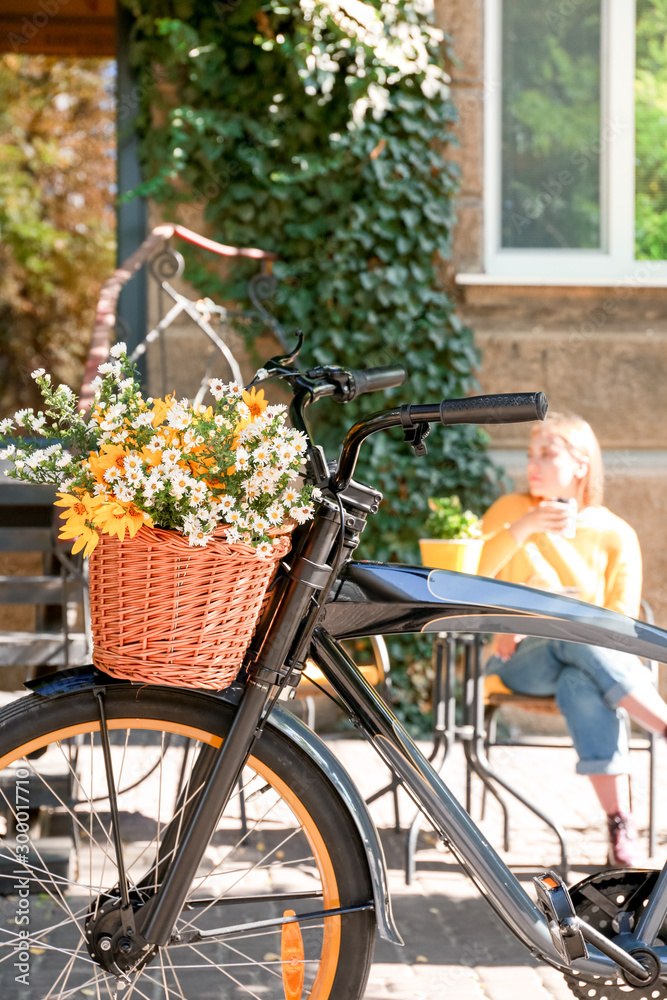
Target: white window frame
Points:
(615, 260)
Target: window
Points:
(576, 139)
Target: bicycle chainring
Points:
(599, 900)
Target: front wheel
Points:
(284, 844)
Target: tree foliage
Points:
(651, 131)
(56, 216)
(551, 135)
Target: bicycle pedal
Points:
(555, 903)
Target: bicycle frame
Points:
(376, 597)
(373, 597)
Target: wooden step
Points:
(38, 590)
(33, 648)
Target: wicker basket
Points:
(166, 613)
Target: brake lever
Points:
(278, 367)
(288, 359)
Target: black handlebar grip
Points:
(373, 379)
(500, 408)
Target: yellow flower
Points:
(79, 506)
(87, 539)
(161, 408)
(255, 402)
(114, 518)
(78, 514)
(110, 455)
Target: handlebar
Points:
(501, 408)
(374, 379)
(345, 384)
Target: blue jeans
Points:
(588, 683)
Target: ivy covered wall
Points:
(318, 129)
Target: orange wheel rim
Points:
(331, 939)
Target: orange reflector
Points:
(548, 880)
(291, 955)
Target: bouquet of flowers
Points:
(131, 461)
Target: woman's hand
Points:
(505, 645)
(548, 515)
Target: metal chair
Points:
(494, 699)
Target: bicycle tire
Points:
(300, 839)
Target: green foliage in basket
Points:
(448, 520)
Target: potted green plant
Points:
(453, 536)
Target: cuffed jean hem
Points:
(619, 764)
(588, 683)
(613, 695)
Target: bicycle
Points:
(260, 872)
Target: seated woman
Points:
(601, 564)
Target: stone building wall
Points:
(600, 351)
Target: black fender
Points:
(386, 598)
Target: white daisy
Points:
(179, 485)
(152, 485)
(132, 462)
(125, 493)
(170, 456)
(217, 388)
(275, 514)
(302, 513)
(299, 442)
(109, 368)
(290, 496)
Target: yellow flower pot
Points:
(459, 554)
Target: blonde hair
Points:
(583, 445)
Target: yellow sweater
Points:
(602, 563)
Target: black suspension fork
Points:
(284, 632)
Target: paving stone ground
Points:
(455, 946)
